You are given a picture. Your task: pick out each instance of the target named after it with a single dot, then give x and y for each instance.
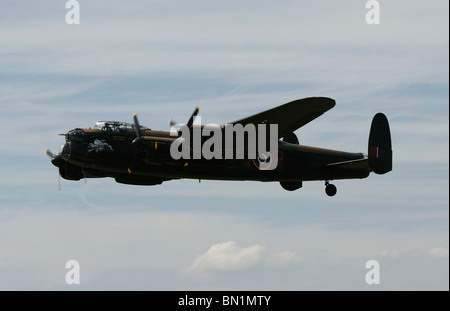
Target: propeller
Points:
(55, 160)
(190, 121)
(137, 127)
(136, 142)
(172, 122)
(50, 154)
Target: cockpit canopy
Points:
(117, 127)
(75, 135)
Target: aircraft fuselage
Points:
(103, 154)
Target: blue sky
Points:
(232, 58)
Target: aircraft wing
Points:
(291, 116)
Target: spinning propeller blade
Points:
(55, 159)
(49, 153)
(190, 121)
(137, 127)
(136, 142)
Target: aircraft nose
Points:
(66, 151)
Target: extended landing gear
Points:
(330, 189)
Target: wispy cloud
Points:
(438, 252)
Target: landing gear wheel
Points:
(330, 189)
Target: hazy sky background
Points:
(232, 58)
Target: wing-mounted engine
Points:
(291, 138)
(155, 148)
(70, 172)
(66, 170)
(152, 149)
(291, 185)
(190, 122)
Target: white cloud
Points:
(228, 256)
(391, 253)
(438, 252)
(435, 252)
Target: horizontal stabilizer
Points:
(355, 165)
(358, 166)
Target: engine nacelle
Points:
(139, 180)
(70, 172)
(291, 185)
(291, 138)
